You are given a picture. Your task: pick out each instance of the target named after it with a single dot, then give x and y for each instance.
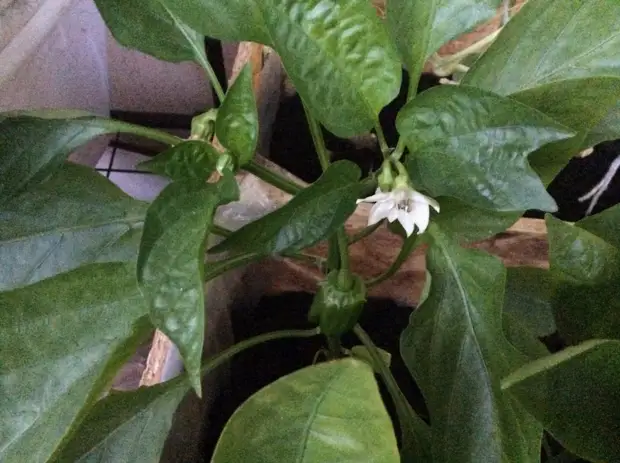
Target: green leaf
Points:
(236, 125)
(575, 394)
(74, 218)
(586, 269)
(127, 426)
(311, 216)
(419, 27)
(528, 299)
(62, 340)
(327, 412)
(551, 42)
(480, 142)
(150, 27)
(31, 148)
(457, 352)
(171, 263)
(338, 54)
(189, 160)
(607, 129)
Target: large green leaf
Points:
(576, 396)
(327, 412)
(551, 42)
(607, 129)
(585, 266)
(150, 27)
(62, 340)
(75, 217)
(456, 350)
(528, 299)
(311, 216)
(236, 125)
(127, 426)
(478, 141)
(337, 53)
(189, 160)
(420, 27)
(171, 263)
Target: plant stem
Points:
(405, 251)
(224, 356)
(343, 247)
(204, 62)
(317, 138)
(363, 233)
(220, 231)
(152, 134)
(335, 347)
(273, 178)
(385, 149)
(219, 267)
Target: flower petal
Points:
(379, 212)
(421, 216)
(393, 215)
(418, 197)
(406, 220)
(378, 196)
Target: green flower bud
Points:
(203, 126)
(385, 178)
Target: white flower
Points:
(404, 204)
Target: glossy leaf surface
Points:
(575, 393)
(338, 54)
(420, 27)
(127, 426)
(327, 412)
(585, 266)
(31, 147)
(236, 125)
(62, 340)
(311, 216)
(74, 218)
(479, 142)
(189, 160)
(171, 263)
(150, 27)
(456, 350)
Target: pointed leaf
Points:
(236, 125)
(528, 299)
(586, 269)
(62, 340)
(311, 216)
(420, 27)
(456, 350)
(189, 160)
(127, 426)
(327, 412)
(576, 395)
(150, 27)
(171, 263)
(74, 218)
(480, 141)
(338, 54)
(607, 129)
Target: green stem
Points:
(405, 251)
(317, 138)
(385, 149)
(224, 356)
(412, 91)
(204, 62)
(217, 268)
(412, 426)
(273, 178)
(220, 231)
(152, 134)
(310, 258)
(363, 233)
(343, 247)
(335, 347)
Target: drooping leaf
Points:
(74, 218)
(528, 298)
(585, 266)
(607, 129)
(311, 216)
(327, 412)
(551, 42)
(419, 27)
(127, 426)
(189, 160)
(456, 350)
(150, 27)
(480, 142)
(62, 340)
(171, 263)
(575, 393)
(338, 54)
(236, 125)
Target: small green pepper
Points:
(336, 309)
